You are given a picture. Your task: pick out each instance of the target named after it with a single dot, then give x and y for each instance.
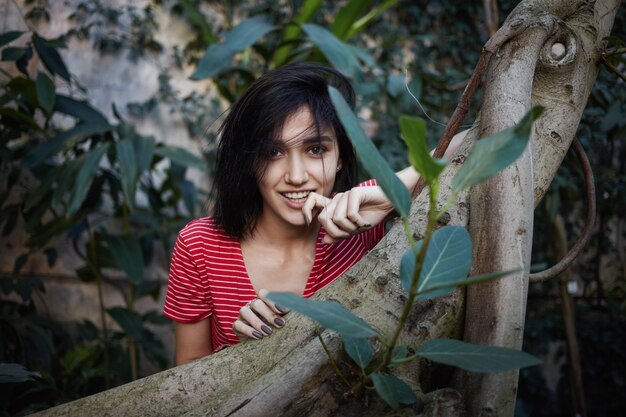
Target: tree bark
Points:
(289, 373)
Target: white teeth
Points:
(297, 196)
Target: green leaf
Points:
(395, 85)
(475, 358)
(337, 52)
(9, 37)
(369, 156)
(85, 176)
(346, 16)
(130, 322)
(127, 163)
(181, 156)
(399, 353)
(492, 154)
(360, 24)
(12, 53)
(126, 253)
(46, 94)
(448, 259)
(329, 314)
(292, 31)
(218, 57)
(80, 110)
(393, 390)
(144, 152)
(360, 350)
(414, 134)
(45, 150)
(15, 373)
(477, 279)
(50, 57)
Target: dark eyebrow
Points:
(316, 139)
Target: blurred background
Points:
(108, 114)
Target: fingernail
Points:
(257, 334)
(279, 321)
(266, 329)
(281, 309)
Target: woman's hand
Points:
(257, 318)
(348, 213)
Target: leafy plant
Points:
(67, 172)
(431, 267)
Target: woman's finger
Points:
(262, 308)
(244, 331)
(279, 310)
(313, 204)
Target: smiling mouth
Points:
(299, 197)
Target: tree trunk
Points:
(289, 373)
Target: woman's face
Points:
(302, 162)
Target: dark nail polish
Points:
(281, 309)
(257, 334)
(279, 321)
(266, 329)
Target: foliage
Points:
(94, 183)
(431, 267)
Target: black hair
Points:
(251, 125)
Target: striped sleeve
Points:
(187, 299)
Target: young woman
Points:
(288, 216)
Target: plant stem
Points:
(332, 360)
(130, 304)
(96, 270)
(419, 261)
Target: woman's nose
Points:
(296, 171)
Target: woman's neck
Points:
(278, 235)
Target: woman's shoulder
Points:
(204, 227)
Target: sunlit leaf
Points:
(413, 131)
(492, 154)
(370, 157)
(85, 176)
(337, 53)
(329, 314)
(475, 358)
(218, 57)
(347, 15)
(46, 94)
(360, 350)
(393, 390)
(126, 253)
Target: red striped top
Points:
(208, 276)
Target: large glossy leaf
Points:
(181, 156)
(9, 37)
(492, 154)
(393, 390)
(337, 53)
(329, 314)
(130, 322)
(80, 110)
(15, 373)
(218, 57)
(126, 253)
(85, 176)
(476, 279)
(413, 131)
(475, 358)
(127, 163)
(292, 31)
(360, 350)
(448, 259)
(50, 57)
(45, 92)
(370, 157)
(347, 15)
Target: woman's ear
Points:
(339, 165)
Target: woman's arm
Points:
(193, 340)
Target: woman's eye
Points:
(275, 153)
(317, 150)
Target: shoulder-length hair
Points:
(249, 129)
